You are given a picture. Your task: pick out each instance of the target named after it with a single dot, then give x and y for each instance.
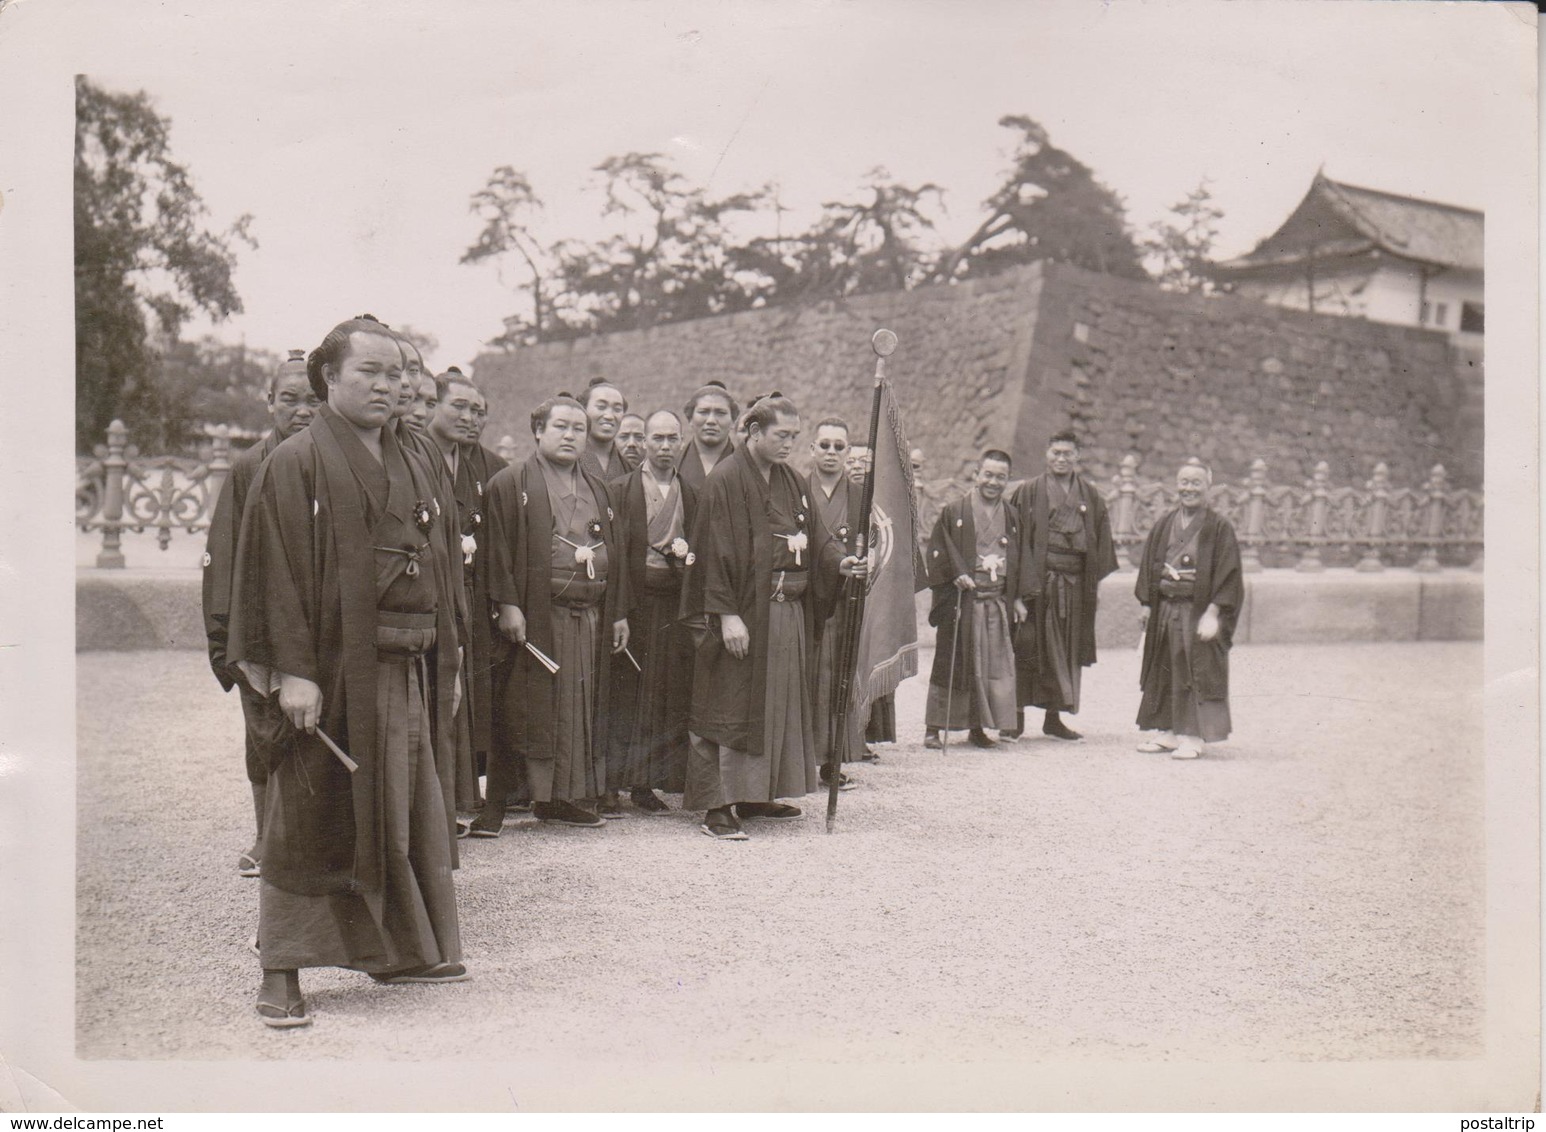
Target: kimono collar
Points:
(981, 507)
(647, 474)
(562, 482)
(370, 472)
(726, 450)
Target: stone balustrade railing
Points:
(1318, 524)
(119, 490)
(1305, 527)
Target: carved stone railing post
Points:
(506, 449)
(1310, 560)
(1429, 562)
(110, 557)
(1255, 518)
(1379, 503)
(1124, 513)
(219, 467)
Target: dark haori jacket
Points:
(1219, 582)
(476, 466)
(846, 532)
(732, 572)
(615, 471)
(952, 551)
(520, 530)
(1033, 501)
(690, 466)
(220, 553)
(629, 496)
(304, 603)
(421, 449)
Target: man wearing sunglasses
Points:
(838, 499)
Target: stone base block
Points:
(138, 609)
(1453, 607)
(1287, 607)
(141, 609)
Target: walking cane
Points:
(950, 683)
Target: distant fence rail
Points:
(1306, 527)
(119, 490)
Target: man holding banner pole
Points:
(876, 623)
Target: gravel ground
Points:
(1312, 890)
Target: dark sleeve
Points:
(219, 562)
(1228, 578)
(1103, 555)
(826, 563)
(716, 548)
(943, 559)
(616, 491)
(1145, 564)
(503, 524)
(275, 586)
(1028, 585)
(451, 532)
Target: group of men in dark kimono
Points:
(1015, 583)
(408, 618)
(643, 605)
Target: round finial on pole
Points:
(883, 343)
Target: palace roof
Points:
(1336, 220)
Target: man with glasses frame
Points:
(838, 499)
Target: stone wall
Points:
(958, 371)
(1006, 361)
(1136, 369)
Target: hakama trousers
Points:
(574, 769)
(989, 700)
(467, 799)
(650, 742)
(410, 921)
(1055, 670)
(787, 767)
(1170, 701)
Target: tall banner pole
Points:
(854, 593)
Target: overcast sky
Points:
(356, 133)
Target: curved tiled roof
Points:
(1347, 219)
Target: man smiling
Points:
(604, 406)
(974, 570)
(1190, 585)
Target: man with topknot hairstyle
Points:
(558, 578)
(344, 610)
(292, 404)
